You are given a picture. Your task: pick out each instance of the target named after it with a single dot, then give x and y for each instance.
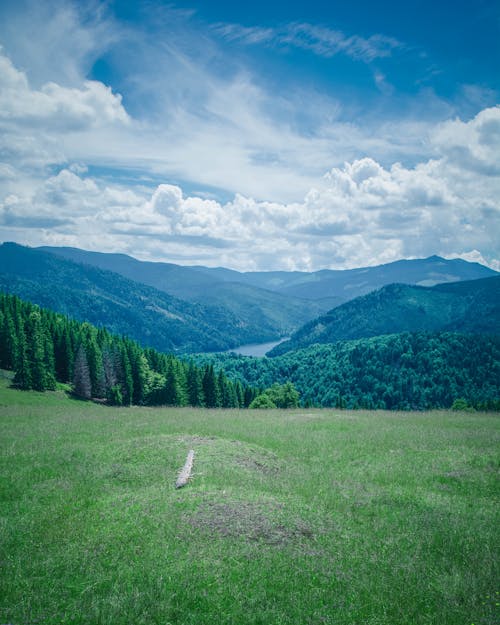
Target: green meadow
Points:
(291, 517)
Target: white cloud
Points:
(410, 187)
(474, 256)
(360, 214)
(54, 106)
(57, 40)
(473, 145)
(320, 40)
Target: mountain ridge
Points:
(327, 287)
(104, 298)
(467, 306)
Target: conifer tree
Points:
(36, 352)
(8, 339)
(127, 382)
(22, 377)
(82, 384)
(210, 388)
(239, 394)
(171, 392)
(63, 353)
(194, 386)
(94, 361)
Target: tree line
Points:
(43, 347)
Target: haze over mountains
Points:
(187, 309)
(327, 286)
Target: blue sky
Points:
(273, 135)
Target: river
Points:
(257, 350)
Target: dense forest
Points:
(470, 307)
(404, 371)
(44, 347)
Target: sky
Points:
(255, 136)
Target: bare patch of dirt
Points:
(268, 466)
(248, 521)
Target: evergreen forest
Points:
(43, 348)
(406, 371)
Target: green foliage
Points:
(46, 347)
(150, 316)
(466, 307)
(115, 396)
(283, 395)
(397, 372)
(277, 396)
(462, 404)
(262, 401)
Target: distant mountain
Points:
(350, 283)
(267, 314)
(467, 307)
(123, 306)
(327, 287)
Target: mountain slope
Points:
(470, 307)
(87, 293)
(347, 284)
(270, 314)
(327, 287)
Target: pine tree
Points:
(63, 353)
(210, 388)
(194, 386)
(94, 360)
(171, 392)
(22, 377)
(240, 394)
(127, 382)
(36, 352)
(82, 384)
(8, 340)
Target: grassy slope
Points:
(292, 518)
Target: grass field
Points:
(300, 517)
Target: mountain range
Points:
(327, 287)
(186, 309)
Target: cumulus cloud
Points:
(473, 145)
(362, 213)
(55, 106)
(406, 188)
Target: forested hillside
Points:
(43, 347)
(468, 307)
(327, 287)
(402, 371)
(107, 299)
(267, 313)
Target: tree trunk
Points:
(185, 473)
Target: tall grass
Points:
(301, 517)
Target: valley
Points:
(401, 346)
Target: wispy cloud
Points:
(179, 117)
(361, 213)
(320, 40)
